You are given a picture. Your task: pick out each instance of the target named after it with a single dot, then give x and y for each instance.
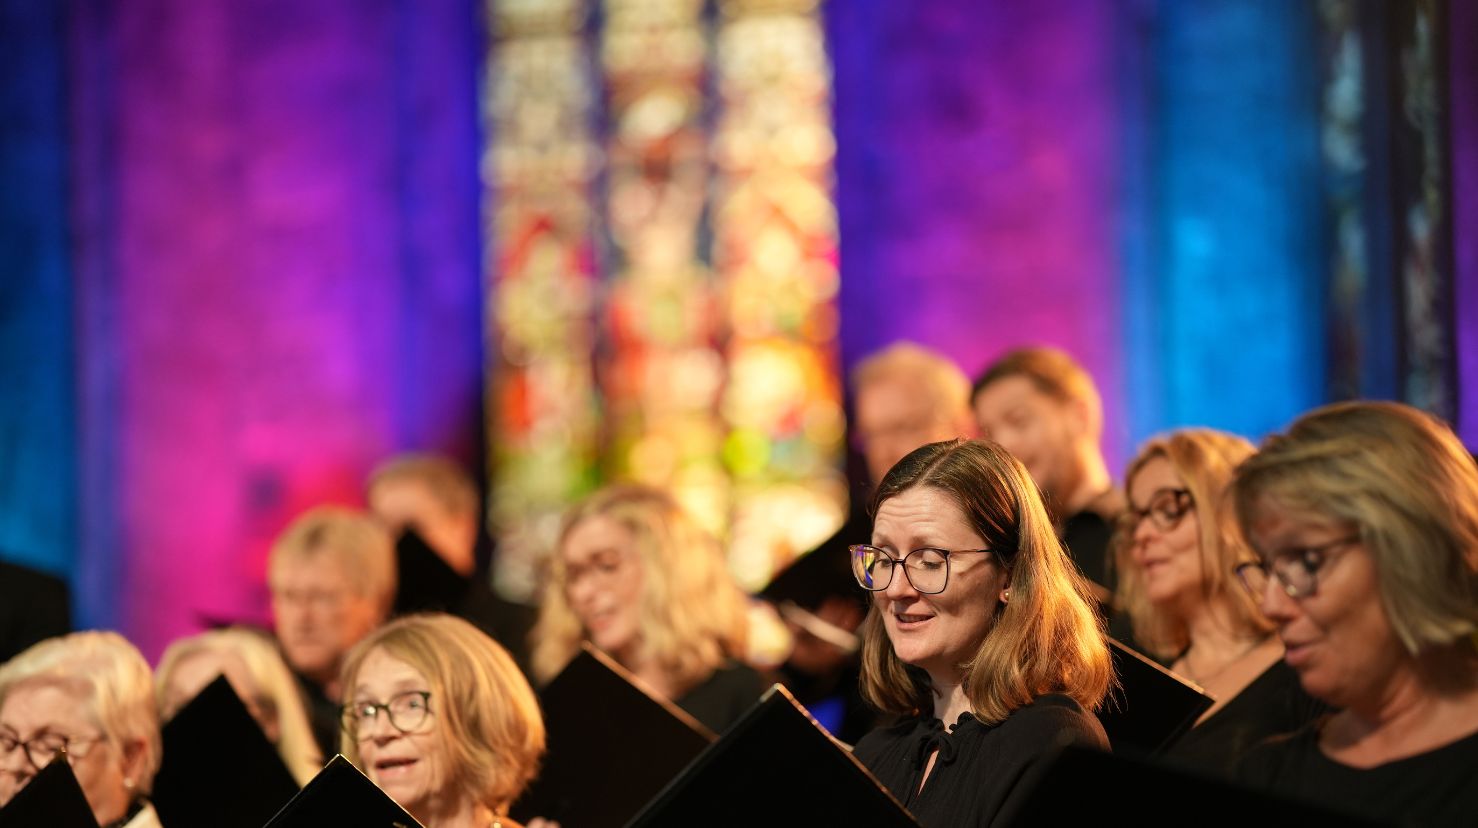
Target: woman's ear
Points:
(135, 754)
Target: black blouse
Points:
(1436, 788)
(1273, 704)
(722, 698)
(983, 772)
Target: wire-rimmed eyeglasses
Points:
(42, 748)
(926, 568)
(1297, 570)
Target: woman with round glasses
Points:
(1365, 521)
(1176, 547)
(637, 577)
(982, 635)
(438, 715)
(88, 697)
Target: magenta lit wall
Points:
(277, 208)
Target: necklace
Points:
(1203, 680)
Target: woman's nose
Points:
(900, 586)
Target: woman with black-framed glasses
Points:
(982, 635)
(1176, 547)
(1364, 517)
(439, 716)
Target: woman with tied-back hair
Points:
(638, 578)
(1364, 517)
(252, 664)
(982, 635)
(1176, 548)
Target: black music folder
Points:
(341, 795)
(775, 766)
(1083, 787)
(219, 769)
(424, 582)
(1151, 707)
(611, 746)
(52, 798)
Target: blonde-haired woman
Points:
(89, 697)
(438, 715)
(982, 635)
(638, 578)
(1365, 520)
(251, 663)
(1177, 548)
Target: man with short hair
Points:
(1043, 407)
(332, 577)
(433, 508)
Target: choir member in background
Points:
(89, 697)
(1364, 517)
(436, 498)
(638, 578)
(1044, 408)
(437, 714)
(332, 576)
(251, 663)
(982, 635)
(1177, 546)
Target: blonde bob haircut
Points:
(693, 615)
(489, 718)
(1206, 462)
(1046, 639)
(275, 692)
(112, 679)
(1401, 478)
(361, 548)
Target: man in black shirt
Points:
(1043, 407)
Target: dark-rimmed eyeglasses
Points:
(1167, 508)
(406, 711)
(1297, 569)
(42, 748)
(926, 568)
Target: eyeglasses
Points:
(42, 748)
(926, 568)
(1168, 507)
(1295, 569)
(407, 712)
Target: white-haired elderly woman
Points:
(88, 697)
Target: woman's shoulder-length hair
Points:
(111, 676)
(1402, 479)
(277, 689)
(494, 733)
(1046, 639)
(693, 614)
(1206, 462)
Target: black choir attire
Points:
(1436, 788)
(34, 606)
(721, 699)
(325, 716)
(1273, 704)
(983, 772)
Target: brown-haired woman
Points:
(982, 634)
